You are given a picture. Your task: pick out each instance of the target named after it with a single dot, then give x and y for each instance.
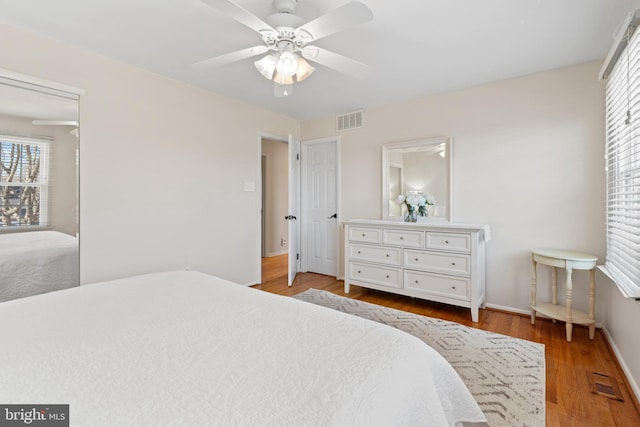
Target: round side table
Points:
(569, 260)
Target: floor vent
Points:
(348, 121)
(604, 385)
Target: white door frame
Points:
(293, 209)
(304, 226)
(258, 187)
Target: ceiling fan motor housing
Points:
(285, 6)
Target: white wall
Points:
(527, 160)
(163, 165)
(276, 204)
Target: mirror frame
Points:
(417, 143)
(44, 86)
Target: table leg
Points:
(569, 324)
(554, 288)
(592, 302)
(533, 290)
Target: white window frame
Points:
(42, 184)
(622, 153)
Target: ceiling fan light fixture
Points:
(304, 70)
(287, 64)
(281, 79)
(267, 66)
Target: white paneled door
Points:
(320, 207)
(294, 208)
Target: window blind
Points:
(623, 168)
(23, 182)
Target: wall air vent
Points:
(352, 120)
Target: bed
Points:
(36, 262)
(183, 348)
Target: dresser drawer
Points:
(438, 262)
(436, 284)
(365, 234)
(408, 239)
(380, 254)
(449, 241)
(376, 274)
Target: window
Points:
(23, 182)
(622, 71)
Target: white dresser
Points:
(442, 262)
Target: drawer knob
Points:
(453, 287)
(359, 272)
(417, 281)
(363, 234)
(387, 276)
(417, 259)
(358, 251)
(387, 255)
(453, 263)
(401, 238)
(446, 241)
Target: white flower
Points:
(413, 199)
(416, 201)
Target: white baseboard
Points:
(634, 386)
(269, 255)
(509, 309)
(525, 312)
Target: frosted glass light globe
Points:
(287, 64)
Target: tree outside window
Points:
(23, 191)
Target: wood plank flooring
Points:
(569, 399)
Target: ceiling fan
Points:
(73, 123)
(287, 39)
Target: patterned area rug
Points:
(506, 375)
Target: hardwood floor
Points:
(569, 399)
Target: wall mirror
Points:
(417, 166)
(39, 162)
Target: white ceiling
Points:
(416, 47)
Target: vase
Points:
(411, 217)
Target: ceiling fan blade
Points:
(342, 18)
(228, 58)
(337, 62)
(240, 14)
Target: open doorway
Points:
(275, 205)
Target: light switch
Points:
(249, 186)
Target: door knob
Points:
(335, 215)
(289, 217)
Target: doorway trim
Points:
(259, 196)
(304, 225)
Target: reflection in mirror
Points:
(38, 188)
(417, 167)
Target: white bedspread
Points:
(36, 262)
(188, 349)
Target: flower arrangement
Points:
(416, 202)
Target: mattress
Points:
(36, 262)
(183, 348)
